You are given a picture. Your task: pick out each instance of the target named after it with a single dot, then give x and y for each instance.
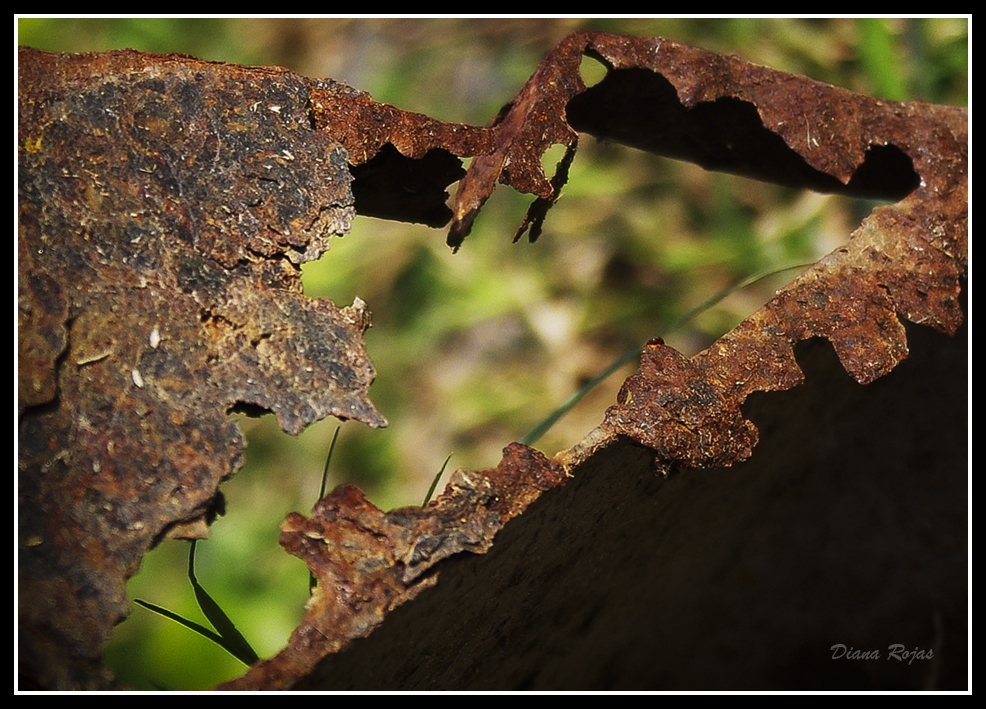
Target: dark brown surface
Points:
(165, 205)
(720, 112)
(905, 260)
(848, 525)
(368, 563)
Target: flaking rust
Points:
(905, 260)
(126, 237)
(165, 206)
(367, 562)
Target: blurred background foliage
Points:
(473, 350)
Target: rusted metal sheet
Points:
(368, 563)
(720, 112)
(165, 205)
(905, 260)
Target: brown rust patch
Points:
(367, 563)
(165, 205)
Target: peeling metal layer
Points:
(849, 524)
(905, 260)
(720, 112)
(165, 204)
(723, 113)
(367, 563)
(403, 161)
(165, 207)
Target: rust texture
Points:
(367, 563)
(720, 112)
(849, 521)
(165, 206)
(683, 416)
(403, 161)
(907, 259)
(166, 203)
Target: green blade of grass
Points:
(434, 483)
(312, 581)
(328, 458)
(230, 638)
(190, 624)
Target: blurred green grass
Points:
(472, 350)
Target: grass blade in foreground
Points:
(434, 483)
(232, 640)
(312, 581)
(190, 624)
(228, 637)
